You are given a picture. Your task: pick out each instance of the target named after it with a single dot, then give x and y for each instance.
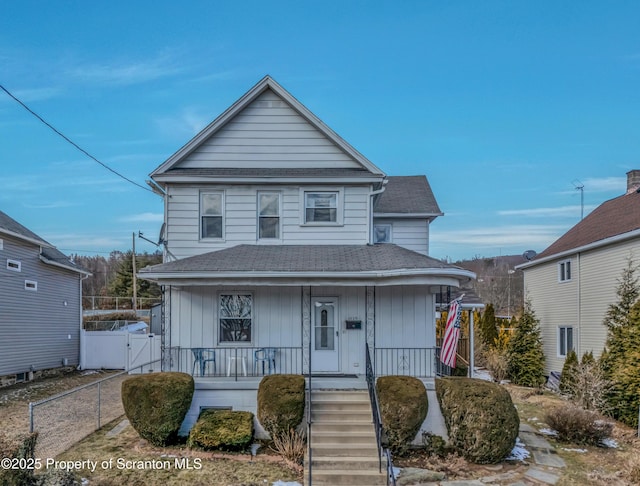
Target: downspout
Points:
(372, 194)
(578, 338)
(82, 340)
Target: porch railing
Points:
(418, 362)
(234, 362)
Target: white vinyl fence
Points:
(117, 350)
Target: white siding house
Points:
(572, 283)
(272, 260)
(40, 304)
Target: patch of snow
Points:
(482, 374)
(286, 483)
(581, 451)
(89, 372)
(519, 453)
(550, 432)
(396, 472)
(610, 443)
(84, 481)
(534, 419)
(254, 448)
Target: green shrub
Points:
(578, 426)
(157, 403)
(480, 417)
(281, 403)
(222, 429)
(403, 408)
(525, 356)
(21, 447)
(569, 369)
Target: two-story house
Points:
(40, 304)
(572, 282)
(288, 251)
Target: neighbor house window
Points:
(211, 214)
(564, 271)
(321, 207)
(268, 215)
(382, 233)
(1, 244)
(565, 340)
(236, 318)
(31, 285)
(14, 265)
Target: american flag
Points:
(451, 335)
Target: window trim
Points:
(31, 285)
(564, 269)
(201, 215)
(390, 225)
(264, 238)
(248, 343)
(14, 265)
(338, 191)
(564, 344)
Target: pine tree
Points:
(488, 329)
(525, 356)
(568, 371)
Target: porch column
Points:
(371, 319)
(306, 327)
(471, 344)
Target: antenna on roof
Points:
(580, 187)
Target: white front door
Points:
(325, 335)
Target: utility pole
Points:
(135, 283)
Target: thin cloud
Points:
(34, 94)
(503, 236)
(563, 211)
(143, 218)
(188, 123)
(52, 205)
(127, 73)
(600, 184)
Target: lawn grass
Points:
(206, 467)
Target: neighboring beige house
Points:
(572, 283)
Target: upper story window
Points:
(382, 233)
(14, 265)
(564, 271)
(31, 285)
(268, 215)
(322, 207)
(211, 214)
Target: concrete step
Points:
(340, 395)
(339, 426)
(346, 462)
(345, 438)
(342, 405)
(345, 416)
(339, 477)
(356, 449)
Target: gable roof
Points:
(307, 261)
(267, 83)
(48, 253)
(615, 219)
(407, 196)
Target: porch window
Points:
(268, 215)
(211, 214)
(321, 207)
(565, 340)
(236, 318)
(564, 271)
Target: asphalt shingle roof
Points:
(407, 195)
(9, 224)
(302, 258)
(614, 217)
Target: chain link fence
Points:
(65, 419)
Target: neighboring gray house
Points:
(40, 304)
(572, 283)
(286, 247)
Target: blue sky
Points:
(504, 105)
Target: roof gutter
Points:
(591, 246)
(62, 265)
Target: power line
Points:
(58, 132)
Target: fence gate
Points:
(143, 348)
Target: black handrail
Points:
(309, 403)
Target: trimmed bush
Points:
(222, 429)
(157, 403)
(281, 403)
(578, 426)
(480, 417)
(569, 370)
(403, 408)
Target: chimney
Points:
(633, 181)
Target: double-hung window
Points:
(564, 271)
(321, 207)
(565, 340)
(235, 317)
(211, 214)
(268, 215)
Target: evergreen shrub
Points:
(222, 429)
(19, 447)
(281, 403)
(569, 370)
(481, 419)
(525, 356)
(403, 408)
(157, 403)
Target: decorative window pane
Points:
(236, 317)
(268, 215)
(321, 207)
(382, 233)
(211, 210)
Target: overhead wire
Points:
(58, 132)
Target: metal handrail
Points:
(309, 404)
